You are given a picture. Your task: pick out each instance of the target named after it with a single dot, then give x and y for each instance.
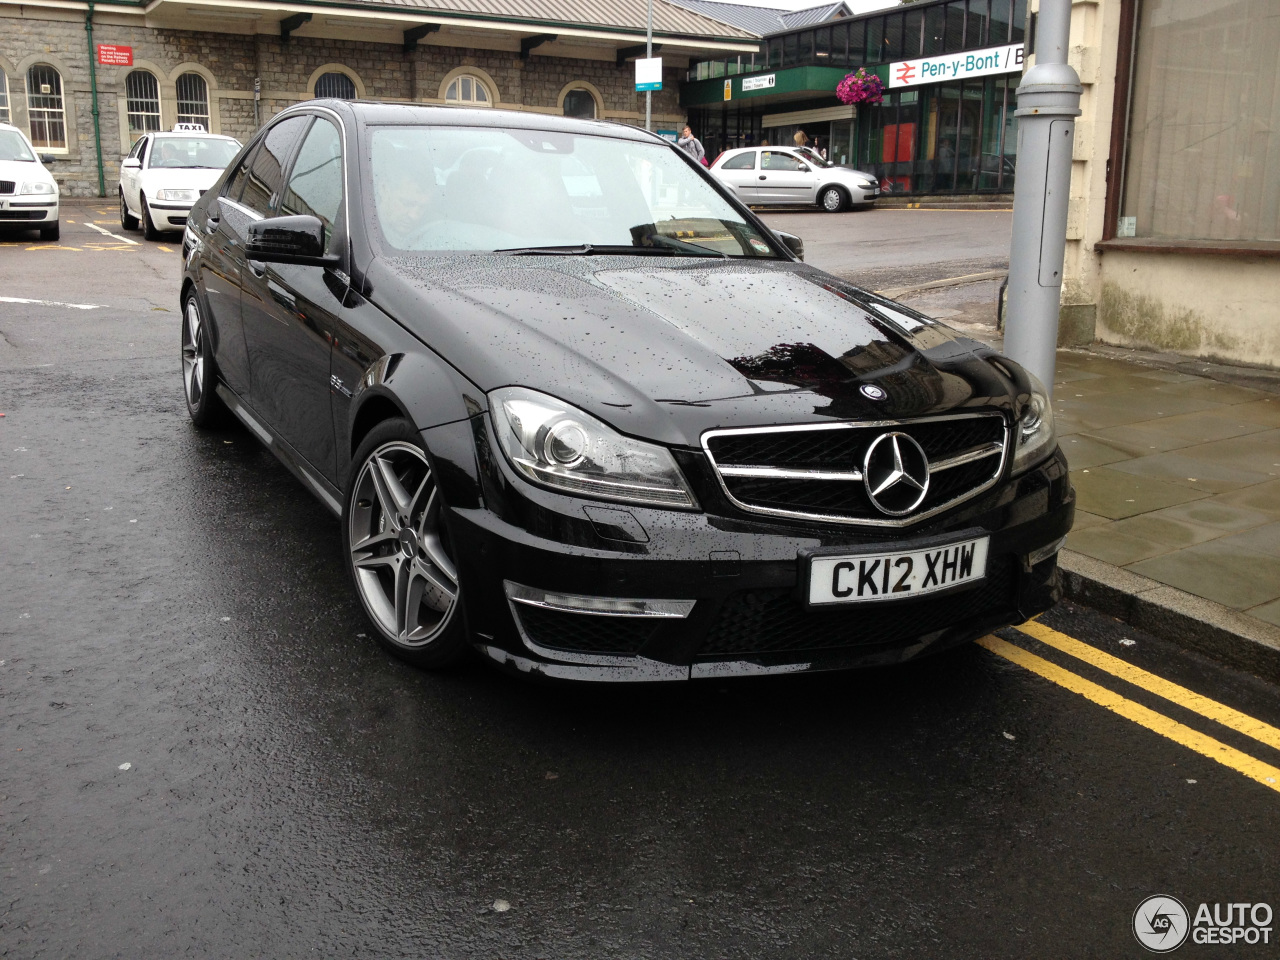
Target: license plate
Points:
(899, 575)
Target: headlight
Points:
(558, 446)
(171, 194)
(38, 186)
(1034, 436)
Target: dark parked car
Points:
(579, 409)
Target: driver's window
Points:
(774, 160)
(315, 185)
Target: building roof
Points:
(668, 17)
(763, 21)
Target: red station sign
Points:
(114, 56)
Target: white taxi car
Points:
(28, 192)
(165, 173)
(763, 176)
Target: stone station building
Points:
(233, 64)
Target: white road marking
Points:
(53, 303)
(108, 233)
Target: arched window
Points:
(580, 103)
(468, 90)
(337, 86)
(142, 101)
(4, 98)
(44, 107)
(193, 100)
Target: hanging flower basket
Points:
(860, 87)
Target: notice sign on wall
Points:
(113, 56)
(759, 83)
(955, 66)
(649, 73)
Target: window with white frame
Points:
(45, 112)
(4, 99)
(468, 90)
(193, 99)
(336, 86)
(142, 101)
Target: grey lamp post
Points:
(1048, 103)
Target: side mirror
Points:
(130, 163)
(804, 168)
(298, 240)
(792, 243)
(47, 158)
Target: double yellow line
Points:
(1263, 773)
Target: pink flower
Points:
(860, 87)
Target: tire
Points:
(149, 230)
(51, 232)
(832, 200)
(127, 219)
(199, 372)
(397, 549)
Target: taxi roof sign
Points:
(188, 128)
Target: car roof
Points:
(189, 134)
(383, 113)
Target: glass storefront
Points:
(946, 138)
(958, 137)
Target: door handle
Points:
(763, 177)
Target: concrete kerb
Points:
(895, 293)
(1209, 628)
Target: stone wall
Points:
(230, 62)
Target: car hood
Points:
(666, 349)
(180, 178)
(20, 171)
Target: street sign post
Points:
(1048, 103)
(649, 73)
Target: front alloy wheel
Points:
(398, 546)
(832, 199)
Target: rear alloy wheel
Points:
(832, 200)
(127, 219)
(149, 230)
(398, 548)
(199, 378)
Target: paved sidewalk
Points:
(1178, 477)
(1177, 473)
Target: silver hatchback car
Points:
(791, 176)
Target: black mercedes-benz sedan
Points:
(582, 411)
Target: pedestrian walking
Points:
(801, 138)
(692, 145)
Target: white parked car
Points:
(165, 173)
(28, 192)
(793, 175)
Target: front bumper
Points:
(169, 216)
(744, 578)
(27, 212)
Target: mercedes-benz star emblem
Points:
(872, 392)
(896, 473)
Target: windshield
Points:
(524, 191)
(13, 147)
(202, 152)
(814, 158)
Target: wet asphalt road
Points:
(174, 600)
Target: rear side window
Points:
(315, 186)
(235, 183)
(743, 161)
(266, 173)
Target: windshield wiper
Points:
(594, 249)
